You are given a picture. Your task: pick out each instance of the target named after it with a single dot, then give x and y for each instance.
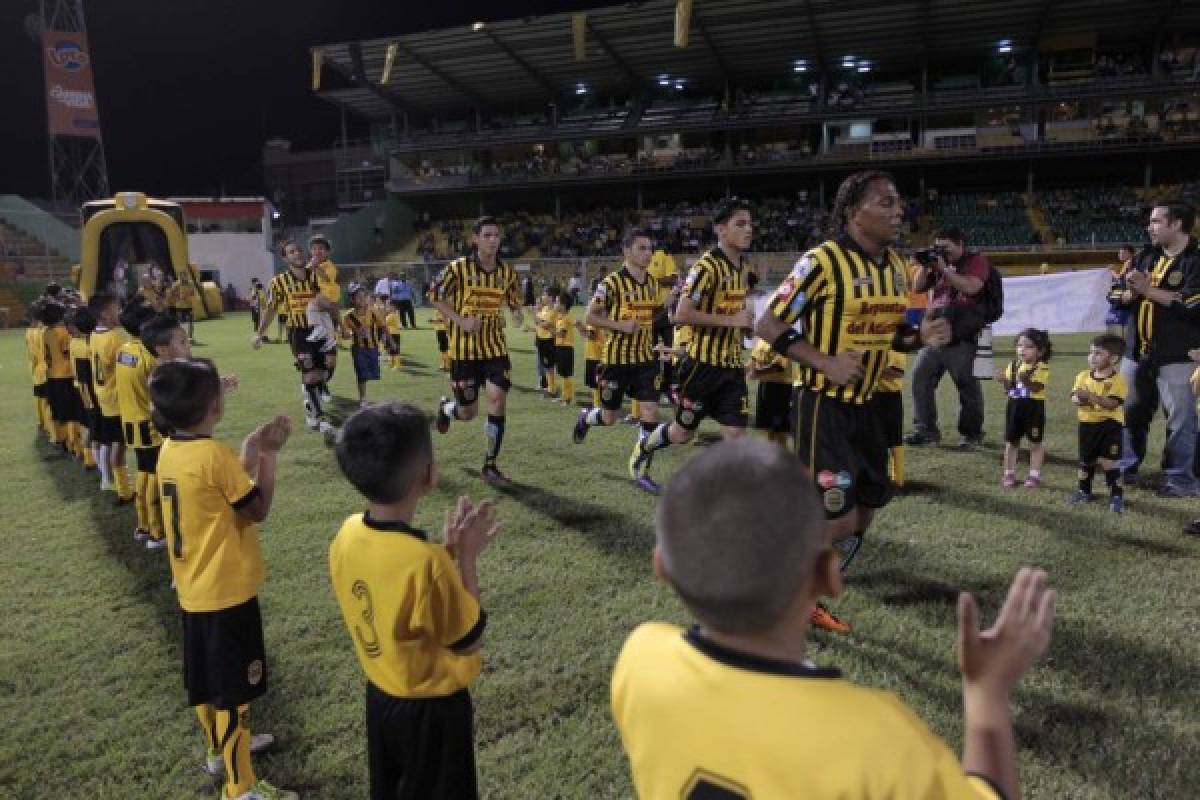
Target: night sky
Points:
(188, 90)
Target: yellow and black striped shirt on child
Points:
(473, 291)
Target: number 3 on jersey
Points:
(170, 491)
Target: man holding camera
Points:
(956, 277)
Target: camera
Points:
(928, 256)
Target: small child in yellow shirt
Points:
(392, 320)
(564, 348)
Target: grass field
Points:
(90, 688)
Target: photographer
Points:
(956, 277)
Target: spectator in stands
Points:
(956, 277)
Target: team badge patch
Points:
(1174, 279)
(835, 500)
(254, 672)
(687, 417)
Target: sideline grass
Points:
(90, 687)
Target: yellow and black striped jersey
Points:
(291, 295)
(847, 301)
(364, 328)
(623, 297)
(133, 368)
(716, 285)
(473, 291)
(81, 367)
(105, 344)
(57, 343)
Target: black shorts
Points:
(87, 416)
(1100, 440)
(63, 400)
(545, 353)
(844, 447)
(146, 458)
(564, 361)
(420, 748)
(1024, 418)
(224, 659)
(708, 391)
(309, 355)
(591, 368)
(39, 390)
(889, 407)
(467, 377)
(182, 314)
(108, 430)
(773, 407)
(443, 342)
(635, 381)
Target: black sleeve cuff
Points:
(991, 784)
(472, 636)
(247, 500)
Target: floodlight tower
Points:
(78, 171)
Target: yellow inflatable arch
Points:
(137, 230)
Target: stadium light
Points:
(664, 80)
(800, 65)
(848, 62)
(388, 60)
(1004, 46)
(478, 26)
(581, 88)
(864, 66)
(679, 84)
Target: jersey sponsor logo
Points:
(826, 479)
(127, 359)
(481, 301)
(729, 303)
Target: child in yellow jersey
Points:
(1099, 394)
(888, 402)
(1024, 381)
(443, 341)
(715, 709)
(394, 325)
(773, 406)
(211, 500)
(106, 341)
(318, 315)
(159, 337)
(564, 348)
(367, 333)
(60, 393)
(544, 321)
(593, 350)
(80, 324)
(35, 345)
(411, 607)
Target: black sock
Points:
(595, 417)
(648, 428)
(1086, 472)
(495, 435)
(314, 399)
(849, 548)
(1113, 478)
(657, 439)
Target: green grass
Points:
(90, 686)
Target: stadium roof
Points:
(517, 63)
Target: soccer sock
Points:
(495, 436)
(635, 409)
(1113, 478)
(552, 382)
(89, 455)
(658, 439)
(153, 505)
(139, 501)
(568, 392)
(594, 418)
(450, 409)
(120, 475)
(897, 464)
(595, 398)
(208, 723)
(849, 548)
(313, 406)
(233, 736)
(102, 461)
(1086, 471)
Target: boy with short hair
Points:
(564, 347)
(1099, 394)
(106, 342)
(734, 704)
(411, 608)
(80, 324)
(319, 318)
(593, 351)
(155, 337)
(544, 322)
(366, 332)
(394, 324)
(60, 393)
(213, 500)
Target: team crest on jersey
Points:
(254, 672)
(834, 500)
(687, 417)
(1174, 279)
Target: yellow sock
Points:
(552, 382)
(120, 474)
(896, 462)
(233, 732)
(595, 398)
(153, 505)
(44, 415)
(75, 438)
(139, 501)
(568, 392)
(89, 460)
(635, 408)
(208, 723)
(58, 431)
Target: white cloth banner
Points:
(1066, 302)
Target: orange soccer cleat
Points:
(825, 620)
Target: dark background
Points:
(188, 90)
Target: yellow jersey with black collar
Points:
(700, 721)
(716, 285)
(847, 302)
(595, 340)
(35, 343)
(132, 371)
(106, 343)
(1112, 386)
(326, 275)
(406, 609)
(213, 551)
(544, 321)
(81, 368)
(564, 330)
(57, 343)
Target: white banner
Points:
(1066, 302)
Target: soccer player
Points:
(35, 345)
(1024, 382)
(544, 323)
(732, 707)
(1099, 394)
(81, 323)
(713, 303)
(320, 316)
(291, 291)
(154, 337)
(106, 342)
(366, 332)
(180, 298)
(850, 293)
(60, 393)
(471, 292)
(663, 269)
(625, 304)
(411, 607)
(211, 500)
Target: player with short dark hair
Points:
(106, 342)
(411, 608)
(80, 324)
(367, 332)
(732, 707)
(471, 293)
(544, 322)
(211, 499)
(60, 391)
(1099, 394)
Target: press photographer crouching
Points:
(957, 278)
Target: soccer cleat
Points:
(1079, 497)
(918, 438)
(107, 486)
(140, 534)
(325, 426)
(156, 544)
(1167, 491)
(363, 404)
(317, 335)
(214, 765)
(1033, 482)
(630, 419)
(326, 397)
(443, 419)
(1117, 505)
(1009, 481)
(580, 431)
(966, 443)
(264, 791)
(647, 485)
(824, 619)
(639, 461)
(492, 476)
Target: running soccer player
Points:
(850, 292)
(625, 305)
(471, 293)
(290, 292)
(713, 303)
